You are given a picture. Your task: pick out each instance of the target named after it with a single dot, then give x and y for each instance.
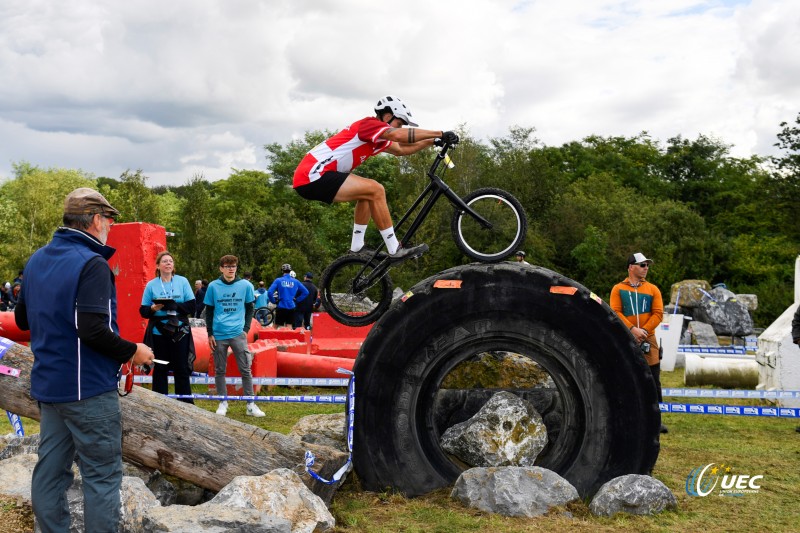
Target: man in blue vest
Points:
(289, 289)
(69, 303)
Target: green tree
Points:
(32, 207)
(201, 239)
(135, 201)
(784, 190)
(597, 223)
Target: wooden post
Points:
(186, 441)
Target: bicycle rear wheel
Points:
(265, 316)
(509, 224)
(345, 300)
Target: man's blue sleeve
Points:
(95, 287)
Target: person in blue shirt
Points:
(260, 290)
(229, 313)
(167, 303)
(289, 289)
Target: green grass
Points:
(751, 445)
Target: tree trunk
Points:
(186, 441)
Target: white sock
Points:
(357, 243)
(391, 241)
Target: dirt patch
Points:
(16, 515)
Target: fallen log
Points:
(186, 441)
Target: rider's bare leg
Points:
(370, 199)
(360, 222)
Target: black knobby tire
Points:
(264, 316)
(349, 307)
(600, 409)
(506, 236)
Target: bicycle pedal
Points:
(415, 254)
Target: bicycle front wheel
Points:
(265, 316)
(507, 217)
(349, 296)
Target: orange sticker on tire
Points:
(447, 284)
(560, 289)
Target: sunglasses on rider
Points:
(643, 265)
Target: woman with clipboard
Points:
(167, 303)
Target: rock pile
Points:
(502, 440)
(727, 313)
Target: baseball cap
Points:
(309, 275)
(86, 201)
(638, 257)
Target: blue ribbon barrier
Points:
(739, 410)
(15, 420)
(727, 350)
(351, 393)
(280, 382)
(332, 398)
(733, 393)
(16, 423)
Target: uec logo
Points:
(704, 479)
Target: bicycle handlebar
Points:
(442, 156)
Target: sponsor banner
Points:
(722, 479)
(735, 410)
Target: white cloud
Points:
(200, 86)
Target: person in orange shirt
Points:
(639, 305)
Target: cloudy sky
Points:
(185, 87)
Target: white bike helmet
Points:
(293, 274)
(395, 106)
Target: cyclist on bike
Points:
(325, 175)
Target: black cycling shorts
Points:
(325, 188)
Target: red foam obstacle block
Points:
(203, 350)
(134, 264)
(9, 329)
(295, 365)
(325, 327)
(332, 339)
(348, 348)
(286, 333)
(265, 365)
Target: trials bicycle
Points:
(488, 225)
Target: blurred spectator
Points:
(302, 314)
(200, 287)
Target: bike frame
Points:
(435, 190)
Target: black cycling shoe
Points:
(408, 253)
(369, 252)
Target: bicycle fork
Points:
(462, 206)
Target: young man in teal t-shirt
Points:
(229, 312)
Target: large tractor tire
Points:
(599, 402)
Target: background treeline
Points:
(696, 210)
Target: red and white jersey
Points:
(344, 151)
